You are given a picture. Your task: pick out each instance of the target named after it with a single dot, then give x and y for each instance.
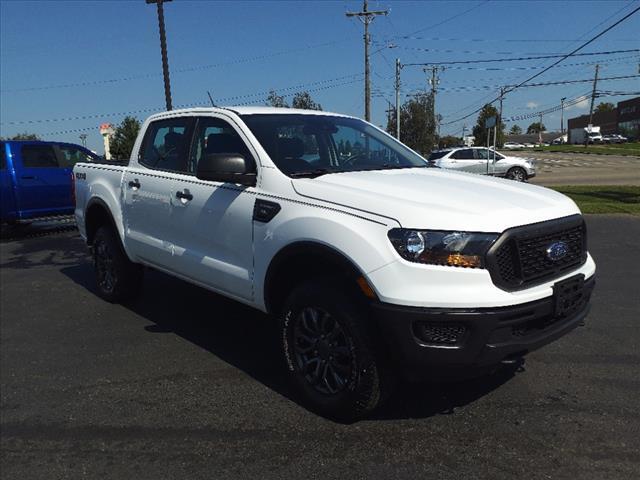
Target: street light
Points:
(163, 50)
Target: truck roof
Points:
(243, 110)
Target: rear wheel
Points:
(516, 173)
(117, 278)
(330, 352)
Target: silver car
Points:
(481, 160)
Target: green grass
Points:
(612, 149)
(604, 198)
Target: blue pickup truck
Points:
(36, 178)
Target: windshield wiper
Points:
(311, 173)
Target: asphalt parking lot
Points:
(186, 384)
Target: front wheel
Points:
(516, 173)
(117, 278)
(330, 352)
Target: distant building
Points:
(106, 130)
(624, 119)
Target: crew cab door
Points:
(43, 184)
(211, 222)
(147, 188)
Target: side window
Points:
(214, 135)
(38, 156)
(69, 156)
(166, 144)
(3, 157)
(482, 153)
(464, 154)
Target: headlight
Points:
(456, 249)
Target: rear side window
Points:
(70, 155)
(465, 154)
(166, 144)
(38, 156)
(3, 157)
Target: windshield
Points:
(312, 145)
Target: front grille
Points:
(439, 333)
(519, 257)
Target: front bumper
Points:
(461, 343)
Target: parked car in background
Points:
(481, 160)
(614, 138)
(512, 145)
(36, 178)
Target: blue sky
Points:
(68, 66)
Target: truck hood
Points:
(439, 199)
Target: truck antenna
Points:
(211, 99)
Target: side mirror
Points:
(227, 167)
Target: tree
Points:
(605, 107)
(124, 137)
(515, 130)
(480, 130)
(275, 100)
(417, 129)
(536, 127)
(25, 136)
(303, 100)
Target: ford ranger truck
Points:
(374, 264)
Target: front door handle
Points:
(185, 195)
(28, 177)
(134, 184)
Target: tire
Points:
(118, 279)
(517, 174)
(330, 352)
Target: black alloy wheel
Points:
(106, 275)
(322, 350)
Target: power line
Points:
(591, 40)
(187, 69)
(355, 76)
(539, 57)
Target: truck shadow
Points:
(248, 340)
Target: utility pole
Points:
(562, 115)
(397, 85)
(499, 124)
(163, 50)
(593, 95)
(464, 129)
(366, 17)
(540, 130)
(434, 81)
(83, 139)
(389, 111)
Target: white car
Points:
(512, 145)
(373, 264)
(485, 162)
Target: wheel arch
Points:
(304, 260)
(98, 214)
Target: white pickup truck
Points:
(375, 264)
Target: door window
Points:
(214, 135)
(482, 154)
(464, 154)
(38, 156)
(166, 143)
(69, 156)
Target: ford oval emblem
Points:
(556, 251)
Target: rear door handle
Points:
(134, 184)
(185, 195)
(28, 177)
